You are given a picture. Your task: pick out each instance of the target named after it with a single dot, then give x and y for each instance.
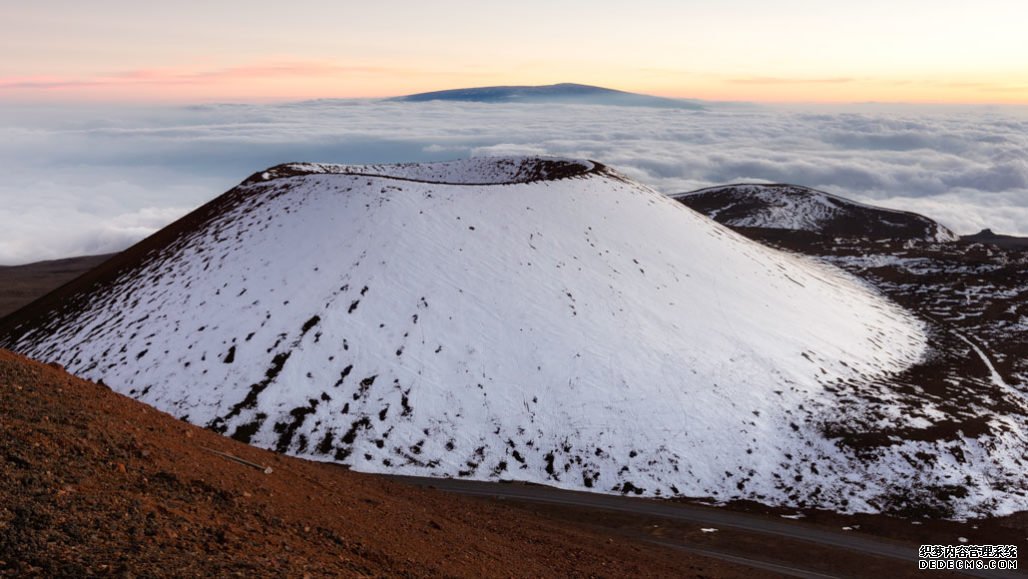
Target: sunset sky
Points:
(117, 117)
(752, 50)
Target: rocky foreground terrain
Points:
(95, 484)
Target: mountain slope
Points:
(78, 457)
(567, 93)
(988, 237)
(543, 320)
(20, 284)
(972, 286)
(796, 208)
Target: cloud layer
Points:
(94, 180)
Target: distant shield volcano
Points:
(564, 93)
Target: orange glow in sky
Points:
(792, 50)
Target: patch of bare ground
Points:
(1008, 530)
(94, 483)
(21, 284)
(790, 553)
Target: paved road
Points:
(719, 518)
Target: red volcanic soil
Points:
(94, 483)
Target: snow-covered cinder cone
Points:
(545, 320)
(796, 208)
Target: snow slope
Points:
(798, 208)
(571, 327)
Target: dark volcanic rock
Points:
(987, 236)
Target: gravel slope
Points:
(94, 483)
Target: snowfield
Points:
(796, 208)
(515, 318)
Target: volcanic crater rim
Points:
(474, 171)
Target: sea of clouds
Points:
(87, 180)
